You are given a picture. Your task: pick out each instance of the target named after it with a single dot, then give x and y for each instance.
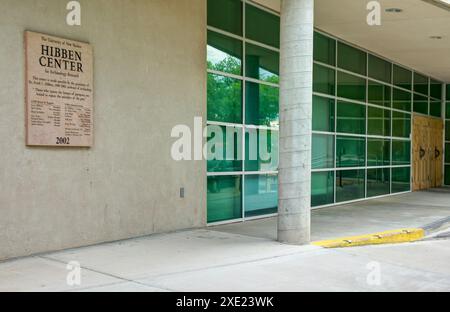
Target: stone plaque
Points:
(59, 91)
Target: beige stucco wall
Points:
(149, 60)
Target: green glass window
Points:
(447, 131)
(262, 106)
(324, 49)
(378, 153)
(323, 114)
(447, 175)
(421, 84)
(351, 87)
(401, 125)
(224, 99)
(322, 188)
(380, 69)
(401, 179)
(262, 26)
(322, 151)
(351, 118)
(350, 185)
(448, 92)
(226, 15)
(402, 77)
(261, 195)
(261, 150)
(447, 110)
(379, 121)
(378, 182)
(224, 54)
(352, 59)
(224, 200)
(350, 152)
(436, 108)
(262, 64)
(435, 89)
(401, 100)
(447, 153)
(224, 149)
(324, 80)
(401, 153)
(379, 94)
(420, 104)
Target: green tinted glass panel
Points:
(378, 182)
(323, 114)
(447, 175)
(379, 121)
(350, 185)
(350, 152)
(351, 118)
(379, 94)
(447, 110)
(378, 153)
(435, 89)
(261, 150)
(402, 77)
(436, 108)
(226, 15)
(447, 153)
(351, 87)
(380, 69)
(261, 105)
(224, 99)
(322, 188)
(420, 104)
(224, 149)
(420, 84)
(352, 59)
(401, 153)
(401, 125)
(262, 26)
(224, 54)
(448, 92)
(262, 64)
(324, 80)
(447, 131)
(322, 151)
(224, 200)
(401, 100)
(401, 180)
(261, 195)
(324, 49)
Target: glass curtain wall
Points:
(447, 136)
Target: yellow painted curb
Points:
(388, 237)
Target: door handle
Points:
(422, 153)
(437, 153)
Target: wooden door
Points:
(437, 148)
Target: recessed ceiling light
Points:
(394, 10)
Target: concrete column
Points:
(296, 57)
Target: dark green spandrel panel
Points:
(262, 64)
(350, 152)
(379, 121)
(350, 185)
(420, 104)
(401, 125)
(436, 108)
(322, 151)
(351, 118)
(447, 175)
(447, 110)
(322, 188)
(323, 114)
(447, 153)
(351, 87)
(378, 153)
(261, 150)
(324, 49)
(262, 105)
(224, 99)
(401, 179)
(261, 195)
(378, 182)
(401, 153)
(448, 92)
(223, 152)
(352, 59)
(402, 77)
(380, 69)
(226, 15)
(435, 89)
(379, 94)
(401, 100)
(224, 200)
(262, 26)
(421, 84)
(324, 80)
(224, 54)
